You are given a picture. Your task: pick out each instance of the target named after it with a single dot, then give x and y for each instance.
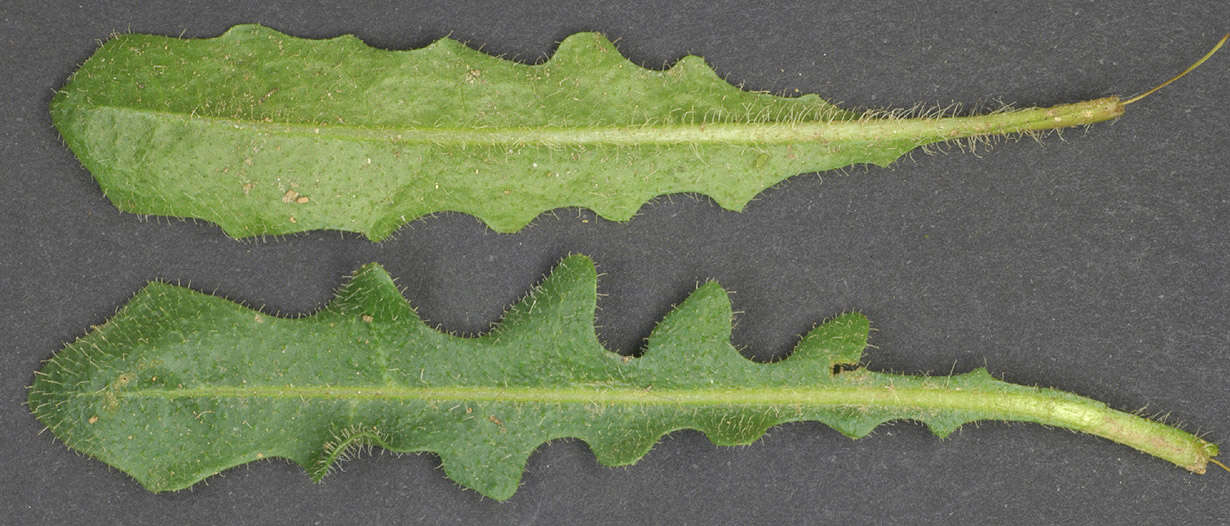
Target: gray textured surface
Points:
(1096, 265)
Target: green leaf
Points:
(264, 133)
(181, 385)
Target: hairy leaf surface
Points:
(181, 385)
(264, 133)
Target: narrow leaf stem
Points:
(1189, 69)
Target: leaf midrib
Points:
(1040, 405)
(937, 397)
(830, 131)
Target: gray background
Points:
(1096, 264)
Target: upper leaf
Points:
(181, 385)
(264, 133)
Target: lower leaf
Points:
(181, 385)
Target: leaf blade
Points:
(240, 128)
(180, 385)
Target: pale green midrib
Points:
(1041, 406)
(861, 130)
(819, 396)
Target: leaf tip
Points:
(239, 31)
(838, 341)
(370, 290)
(582, 44)
(347, 443)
